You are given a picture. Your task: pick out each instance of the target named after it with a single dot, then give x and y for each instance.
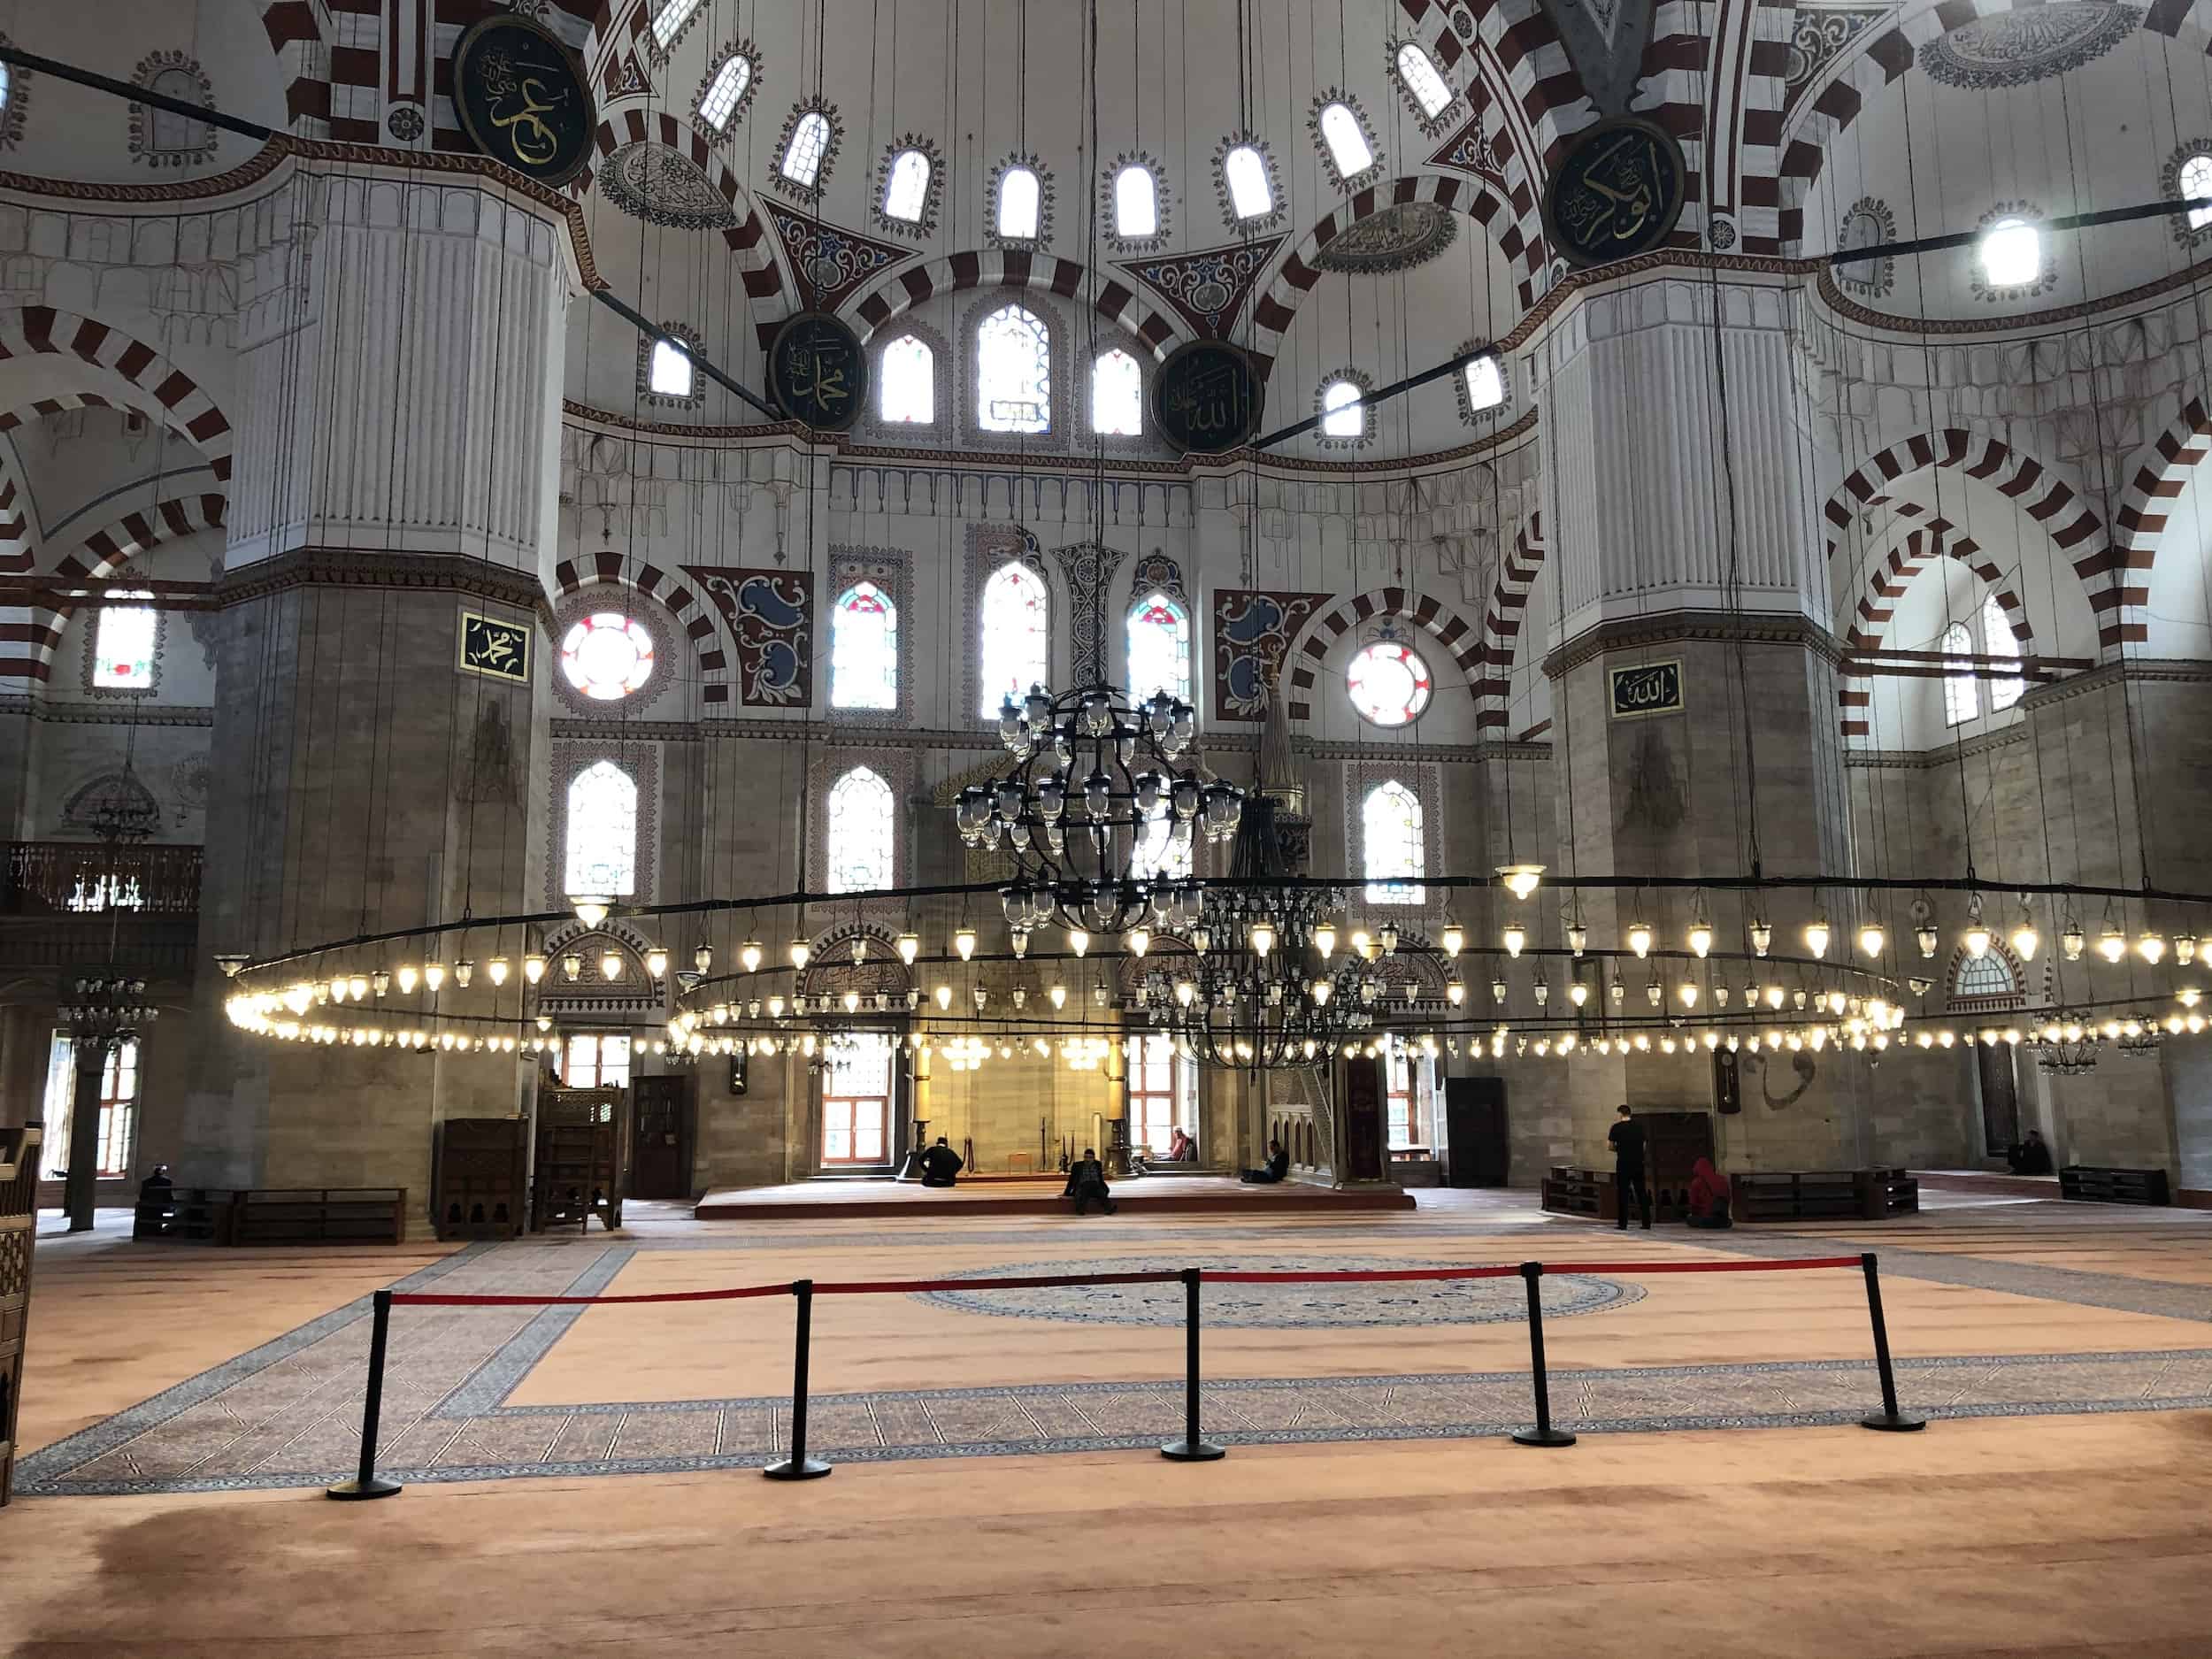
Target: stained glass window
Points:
(865, 649)
(861, 823)
(1389, 683)
(669, 21)
(1136, 203)
(1162, 1095)
(1020, 196)
(1246, 173)
(1017, 612)
(1159, 647)
(1390, 838)
(909, 373)
(908, 190)
(672, 371)
(1013, 354)
(607, 656)
(123, 644)
(1116, 395)
(1962, 701)
(603, 831)
(2196, 186)
(728, 86)
(119, 1109)
(1418, 71)
(1998, 639)
(596, 1059)
(1342, 414)
(856, 1099)
(802, 156)
(1348, 145)
(1164, 849)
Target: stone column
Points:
(401, 341)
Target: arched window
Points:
(1020, 195)
(1017, 610)
(865, 649)
(1136, 203)
(908, 190)
(802, 156)
(1342, 415)
(669, 21)
(862, 821)
(1390, 836)
(1998, 639)
(1348, 145)
(672, 371)
(909, 374)
(1159, 647)
(1418, 71)
(2196, 186)
(1988, 974)
(1961, 701)
(727, 91)
(123, 645)
(173, 133)
(1245, 173)
(1116, 395)
(1164, 849)
(602, 855)
(1013, 359)
(1486, 387)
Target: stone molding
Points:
(359, 567)
(107, 714)
(1666, 626)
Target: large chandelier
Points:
(1095, 807)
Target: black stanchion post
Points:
(1891, 1420)
(1543, 1434)
(1191, 1448)
(366, 1482)
(799, 1466)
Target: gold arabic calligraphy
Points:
(816, 376)
(1209, 401)
(1619, 195)
(533, 142)
(1641, 690)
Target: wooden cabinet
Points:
(2114, 1187)
(477, 1178)
(583, 1134)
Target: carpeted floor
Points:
(186, 1404)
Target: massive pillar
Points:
(400, 358)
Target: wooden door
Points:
(2001, 1099)
(1474, 1119)
(1362, 1121)
(660, 1154)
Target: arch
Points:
(1813, 122)
(299, 34)
(1992, 1000)
(1297, 273)
(1463, 644)
(38, 407)
(867, 600)
(1885, 585)
(30, 331)
(645, 122)
(574, 575)
(997, 641)
(1502, 623)
(860, 788)
(1377, 806)
(1011, 268)
(603, 784)
(2066, 515)
(15, 526)
(2139, 520)
(30, 634)
(1150, 596)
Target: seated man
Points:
(939, 1164)
(1086, 1183)
(2035, 1154)
(1709, 1196)
(1277, 1166)
(156, 1187)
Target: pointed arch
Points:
(1462, 643)
(156, 385)
(1502, 623)
(640, 119)
(1012, 268)
(861, 833)
(599, 831)
(574, 575)
(30, 634)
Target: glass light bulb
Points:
(1816, 937)
(433, 975)
(1140, 940)
(1977, 939)
(1078, 941)
(1761, 937)
(1515, 936)
(2026, 942)
(656, 961)
(1700, 938)
(910, 948)
(1455, 939)
(1455, 993)
(1520, 880)
(1324, 939)
(497, 968)
(748, 955)
(964, 943)
(1639, 939)
(1872, 939)
(944, 996)
(1688, 994)
(2152, 946)
(590, 910)
(611, 964)
(1263, 937)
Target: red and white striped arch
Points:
(1501, 623)
(2066, 516)
(697, 620)
(1008, 268)
(1463, 644)
(1886, 582)
(30, 634)
(40, 331)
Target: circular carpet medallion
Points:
(1349, 1303)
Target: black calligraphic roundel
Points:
(1207, 398)
(817, 374)
(1616, 194)
(522, 98)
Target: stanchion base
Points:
(1192, 1452)
(1542, 1437)
(805, 1469)
(356, 1491)
(1898, 1424)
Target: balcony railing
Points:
(89, 880)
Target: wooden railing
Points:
(89, 880)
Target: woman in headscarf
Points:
(1709, 1196)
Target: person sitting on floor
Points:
(1709, 1196)
(2032, 1156)
(939, 1164)
(1277, 1166)
(1086, 1183)
(1180, 1147)
(156, 1187)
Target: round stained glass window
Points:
(607, 656)
(1389, 685)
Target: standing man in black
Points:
(1627, 1137)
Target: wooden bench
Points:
(2114, 1187)
(319, 1215)
(1824, 1195)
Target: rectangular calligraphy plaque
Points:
(494, 648)
(1646, 689)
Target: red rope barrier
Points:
(1049, 1280)
(1697, 1267)
(1369, 1274)
(426, 1299)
